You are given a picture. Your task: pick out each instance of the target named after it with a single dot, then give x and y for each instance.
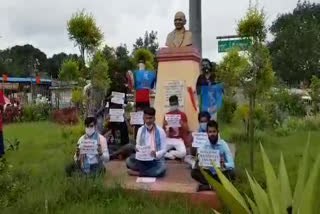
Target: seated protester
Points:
(91, 162)
(226, 160)
(203, 119)
(150, 149)
(175, 145)
(117, 136)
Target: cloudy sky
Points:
(43, 22)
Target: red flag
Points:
(4, 77)
(192, 98)
(37, 79)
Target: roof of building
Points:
(26, 79)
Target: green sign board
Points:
(225, 45)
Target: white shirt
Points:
(150, 140)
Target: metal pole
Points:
(195, 23)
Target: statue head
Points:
(180, 20)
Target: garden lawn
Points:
(38, 169)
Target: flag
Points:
(211, 98)
(4, 77)
(37, 79)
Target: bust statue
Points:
(180, 37)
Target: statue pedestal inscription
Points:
(178, 69)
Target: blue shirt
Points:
(223, 147)
(144, 79)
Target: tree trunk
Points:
(251, 129)
(82, 52)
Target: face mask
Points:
(174, 108)
(90, 131)
(203, 126)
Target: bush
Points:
(66, 116)
(36, 112)
(226, 112)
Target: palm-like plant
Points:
(277, 198)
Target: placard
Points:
(199, 139)
(207, 156)
(116, 115)
(175, 87)
(117, 97)
(136, 118)
(173, 120)
(144, 153)
(89, 147)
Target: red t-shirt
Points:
(2, 102)
(178, 132)
(142, 95)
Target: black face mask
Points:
(213, 140)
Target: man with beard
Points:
(226, 160)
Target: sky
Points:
(42, 23)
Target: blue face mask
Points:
(203, 126)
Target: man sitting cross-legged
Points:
(150, 149)
(226, 160)
(175, 132)
(92, 151)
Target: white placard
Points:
(199, 139)
(173, 120)
(175, 87)
(145, 180)
(207, 156)
(117, 98)
(113, 111)
(116, 115)
(136, 118)
(144, 153)
(88, 147)
(118, 94)
(116, 118)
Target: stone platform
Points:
(177, 181)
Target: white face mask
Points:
(90, 131)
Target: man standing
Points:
(175, 134)
(2, 103)
(226, 160)
(150, 149)
(92, 151)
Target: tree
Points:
(150, 42)
(99, 71)
(119, 63)
(54, 63)
(258, 77)
(69, 70)
(23, 61)
(315, 93)
(82, 29)
(295, 48)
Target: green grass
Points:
(41, 185)
(38, 173)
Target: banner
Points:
(211, 98)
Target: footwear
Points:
(203, 187)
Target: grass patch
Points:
(39, 163)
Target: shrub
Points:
(226, 112)
(36, 112)
(66, 116)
